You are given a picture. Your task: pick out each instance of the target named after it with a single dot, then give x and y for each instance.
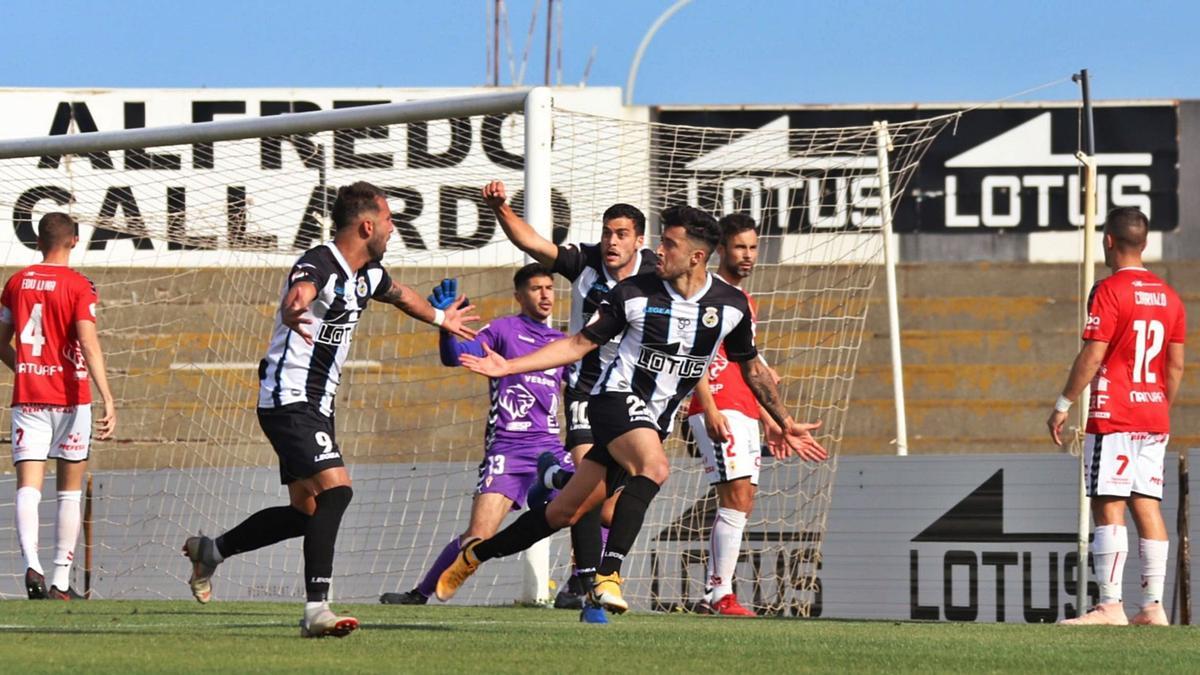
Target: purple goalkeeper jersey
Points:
(524, 407)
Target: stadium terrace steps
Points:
(986, 348)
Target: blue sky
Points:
(712, 51)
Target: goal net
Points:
(188, 236)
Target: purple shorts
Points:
(510, 469)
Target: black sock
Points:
(585, 542)
(525, 531)
(319, 538)
(627, 522)
(266, 527)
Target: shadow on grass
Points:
(408, 626)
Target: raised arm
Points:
(93, 356)
(519, 232)
(797, 436)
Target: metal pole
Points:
(496, 42)
(549, 38)
(631, 80)
(87, 539)
(1088, 159)
(883, 144)
(538, 213)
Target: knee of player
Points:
(559, 516)
(657, 471)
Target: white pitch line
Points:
(251, 365)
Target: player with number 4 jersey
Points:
(51, 310)
(1133, 356)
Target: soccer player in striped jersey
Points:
(1133, 356)
(593, 270)
(669, 326)
(51, 310)
(324, 296)
(522, 420)
(724, 418)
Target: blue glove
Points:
(444, 294)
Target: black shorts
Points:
(303, 439)
(579, 427)
(613, 414)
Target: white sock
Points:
(724, 547)
(548, 477)
(1110, 547)
(1154, 568)
(312, 608)
(66, 533)
(28, 499)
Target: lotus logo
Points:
(516, 400)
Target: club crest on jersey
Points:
(710, 317)
(361, 288)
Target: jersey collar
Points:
(337, 255)
(1132, 268)
(708, 279)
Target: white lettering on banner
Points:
(1009, 157)
(262, 201)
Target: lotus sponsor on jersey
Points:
(682, 366)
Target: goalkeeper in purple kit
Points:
(522, 419)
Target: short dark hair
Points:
(353, 200)
(700, 226)
(1128, 227)
(56, 229)
(734, 224)
(528, 272)
(627, 211)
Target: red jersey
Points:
(1137, 314)
(42, 303)
(728, 387)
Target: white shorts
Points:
(1124, 463)
(736, 458)
(41, 432)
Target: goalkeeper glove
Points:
(444, 294)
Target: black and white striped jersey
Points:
(294, 371)
(667, 341)
(583, 265)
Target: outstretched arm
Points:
(452, 320)
(93, 356)
(519, 232)
(450, 348)
(1087, 362)
(558, 353)
(797, 436)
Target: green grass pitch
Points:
(238, 637)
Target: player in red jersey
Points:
(52, 311)
(1133, 356)
(724, 418)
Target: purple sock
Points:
(429, 583)
(603, 537)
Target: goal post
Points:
(187, 232)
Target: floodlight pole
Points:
(1088, 158)
(631, 80)
(883, 145)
